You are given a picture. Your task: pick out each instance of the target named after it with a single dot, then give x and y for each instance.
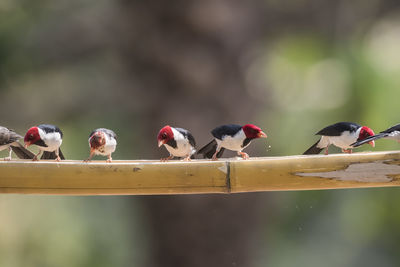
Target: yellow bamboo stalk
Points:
(358, 170)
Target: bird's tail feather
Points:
(314, 149)
(52, 155)
(21, 151)
(208, 150)
(369, 139)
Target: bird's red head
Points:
(31, 136)
(97, 140)
(366, 132)
(165, 135)
(251, 131)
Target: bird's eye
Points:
(164, 135)
(31, 136)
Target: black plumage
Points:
(49, 128)
(187, 135)
(208, 150)
(52, 155)
(172, 143)
(219, 133)
(178, 141)
(338, 128)
(223, 130)
(40, 143)
(313, 150)
(392, 129)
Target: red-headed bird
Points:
(48, 138)
(102, 142)
(391, 133)
(342, 135)
(179, 142)
(233, 137)
(9, 140)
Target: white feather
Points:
(183, 147)
(108, 148)
(52, 140)
(232, 142)
(343, 141)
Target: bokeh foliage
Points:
(291, 67)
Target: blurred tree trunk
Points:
(189, 59)
(188, 62)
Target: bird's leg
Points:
(167, 158)
(243, 155)
(9, 155)
(109, 159)
(187, 158)
(214, 157)
(347, 150)
(36, 157)
(57, 154)
(326, 150)
(90, 156)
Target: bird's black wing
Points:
(314, 149)
(338, 128)
(52, 155)
(208, 150)
(392, 129)
(49, 128)
(188, 135)
(223, 130)
(61, 154)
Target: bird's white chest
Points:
(183, 147)
(52, 140)
(343, 141)
(233, 142)
(108, 148)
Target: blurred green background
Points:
(291, 67)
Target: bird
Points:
(9, 140)
(48, 138)
(391, 133)
(233, 137)
(178, 141)
(342, 135)
(103, 142)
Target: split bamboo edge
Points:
(143, 177)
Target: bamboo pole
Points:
(358, 170)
